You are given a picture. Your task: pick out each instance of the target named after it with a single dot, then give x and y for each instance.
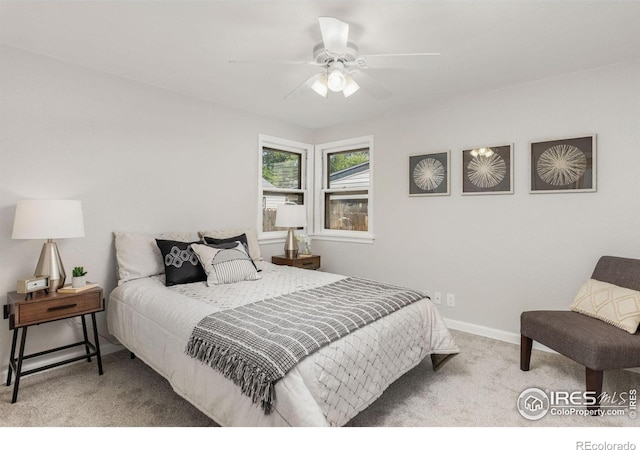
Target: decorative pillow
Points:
(181, 264)
(613, 304)
(138, 256)
(250, 233)
(225, 265)
(240, 238)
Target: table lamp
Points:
(49, 219)
(291, 216)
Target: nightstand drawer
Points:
(45, 310)
(311, 262)
(302, 262)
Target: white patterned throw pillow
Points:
(225, 265)
(613, 304)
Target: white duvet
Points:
(327, 388)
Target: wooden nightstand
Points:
(311, 262)
(44, 308)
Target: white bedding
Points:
(326, 389)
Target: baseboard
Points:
(108, 348)
(105, 349)
(500, 335)
(493, 333)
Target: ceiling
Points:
(186, 46)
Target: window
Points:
(343, 189)
(283, 179)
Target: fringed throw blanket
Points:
(255, 345)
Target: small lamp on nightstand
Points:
(291, 216)
(49, 219)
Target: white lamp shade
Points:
(320, 85)
(350, 88)
(291, 216)
(48, 219)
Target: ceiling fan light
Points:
(336, 80)
(320, 86)
(350, 88)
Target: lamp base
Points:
(290, 245)
(50, 265)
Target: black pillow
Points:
(216, 241)
(181, 264)
(240, 238)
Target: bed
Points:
(327, 388)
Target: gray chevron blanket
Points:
(255, 345)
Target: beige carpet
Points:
(477, 388)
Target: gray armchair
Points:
(590, 342)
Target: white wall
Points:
(502, 254)
(140, 158)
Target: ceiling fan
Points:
(340, 62)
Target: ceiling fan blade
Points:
(335, 34)
(275, 61)
(303, 87)
(361, 61)
(400, 54)
(371, 86)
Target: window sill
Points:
(364, 239)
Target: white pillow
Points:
(138, 255)
(252, 239)
(613, 304)
(225, 265)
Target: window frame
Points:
(321, 188)
(306, 173)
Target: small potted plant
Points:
(79, 278)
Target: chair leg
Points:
(594, 385)
(525, 352)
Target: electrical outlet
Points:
(451, 300)
(437, 298)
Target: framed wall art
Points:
(488, 170)
(429, 174)
(564, 165)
